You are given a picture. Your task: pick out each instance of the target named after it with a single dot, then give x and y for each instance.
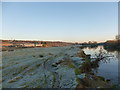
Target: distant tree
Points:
(85, 43)
(76, 43)
(35, 43)
(94, 42)
(90, 42)
(43, 42)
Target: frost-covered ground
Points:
(41, 67)
(1, 70)
(53, 67)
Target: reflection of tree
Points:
(118, 54)
(103, 56)
(94, 48)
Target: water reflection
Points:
(108, 70)
(117, 54)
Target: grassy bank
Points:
(112, 45)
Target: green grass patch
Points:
(78, 80)
(77, 71)
(71, 65)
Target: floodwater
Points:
(107, 70)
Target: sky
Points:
(60, 21)
(0, 20)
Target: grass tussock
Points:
(77, 71)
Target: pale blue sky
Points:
(73, 22)
(0, 20)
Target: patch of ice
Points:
(76, 58)
(93, 59)
(77, 61)
(81, 76)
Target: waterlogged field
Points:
(54, 67)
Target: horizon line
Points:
(57, 40)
